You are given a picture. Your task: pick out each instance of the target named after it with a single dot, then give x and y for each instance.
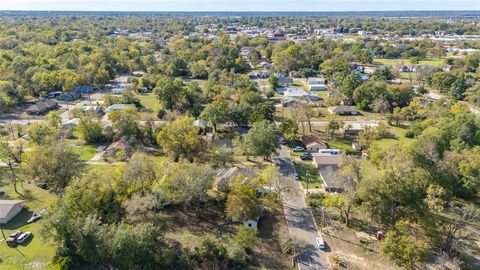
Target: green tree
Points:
(242, 202)
(169, 92)
(215, 113)
(245, 237)
(55, 164)
(403, 249)
(41, 134)
(261, 140)
(180, 139)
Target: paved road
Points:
(300, 222)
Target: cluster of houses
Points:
(328, 161)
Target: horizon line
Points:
(238, 11)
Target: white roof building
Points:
(316, 84)
(298, 93)
(9, 209)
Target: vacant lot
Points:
(189, 226)
(393, 62)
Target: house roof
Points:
(313, 140)
(321, 159)
(116, 107)
(42, 106)
(316, 81)
(330, 178)
(6, 206)
(284, 80)
(337, 109)
(119, 145)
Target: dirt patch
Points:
(189, 226)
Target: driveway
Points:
(300, 222)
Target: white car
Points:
(23, 237)
(320, 242)
(2, 191)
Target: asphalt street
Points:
(300, 222)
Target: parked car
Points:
(306, 156)
(35, 217)
(24, 237)
(282, 141)
(42, 185)
(296, 176)
(320, 242)
(298, 149)
(12, 239)
(2, 191)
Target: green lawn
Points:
(341, 144)
(86, 152)
(385, 144)
(308, 173)
(38, 252)
(393, 62)
(149, 101)
(299, 84)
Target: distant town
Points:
(218, 140)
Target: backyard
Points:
(36, 253)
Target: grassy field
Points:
(401, 140)
(393, 62)
(38, 252)
(86, 152)
(151, 106)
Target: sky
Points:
(239, 5)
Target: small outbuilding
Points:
(9, 209)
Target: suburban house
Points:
(117, 107)
(42, 107)
(285, 82)
(297, 93)
(316, 84)
(117, 146)
(288, 101)
(72, 123)
(92, 109)
(118, 90)
(9, 209)
(326, 159)
(313, 143)
(343, 110)
(264, 74)
(355, 128)
(332, 181)
(225, 176)
(83, 89)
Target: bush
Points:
(315, 199)
(409, 134)
(161, 113)
(270, 93)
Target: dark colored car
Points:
(306, 156)
(12, 239)
(35, 217)
(42, 185)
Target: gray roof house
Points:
(9, 209)
(332, 181)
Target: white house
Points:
(285, 81)
(298, 93)
(118, 90)
(316, 84)
(9, 209)
(117, 107)
(72, 123)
